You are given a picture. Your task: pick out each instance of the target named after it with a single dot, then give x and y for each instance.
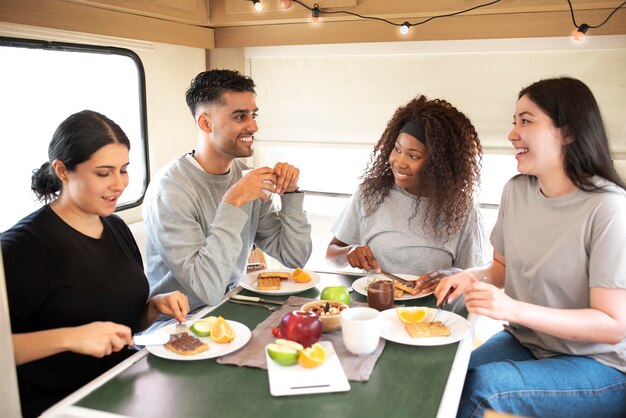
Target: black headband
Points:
(415, 129)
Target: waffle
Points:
(185, 344)
(282, 275)
(268, 283)
(426, 329)
(405, 285)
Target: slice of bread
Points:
(185, 344)
(426, 329)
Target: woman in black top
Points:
(75, 281)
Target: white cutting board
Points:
(298, 380)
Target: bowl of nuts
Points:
(328, 312)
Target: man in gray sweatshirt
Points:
(203, 216)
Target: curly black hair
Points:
(450, 175)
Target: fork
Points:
(240, 302)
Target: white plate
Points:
(392, 328)
(360, 286)
(298, 380)
(242, 336)
(287, 287)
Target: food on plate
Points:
(426, 329)
(270, 280)
(313, 356)
(185, 344)
(412, 315)
(328, 311)
(336, 293)
(202, 327)
(284, 352)
(405, 285)
(221, 331)
(300, 276)
(302, 327)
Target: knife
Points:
(443, 302)
(151, 339)
(257, 299)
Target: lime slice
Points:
(202, 327)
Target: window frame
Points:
(104, 50)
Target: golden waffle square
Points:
(426, 329)
(185, 344)
(268, 283)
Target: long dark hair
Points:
(75, 140)
(571, 106)
(450, 174)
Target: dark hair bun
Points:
(45, 183)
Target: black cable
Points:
(388, 21)
(571, 9)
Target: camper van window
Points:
(41, 84)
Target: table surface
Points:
(414, 381)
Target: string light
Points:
(315, 13)
(582, 29)
(258, 6)
(404, 29)
(579, 35)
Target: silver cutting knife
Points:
(257, 299)
(151, 339)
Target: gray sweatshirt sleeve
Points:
(180, 257)
(286, 234)
(471, 247)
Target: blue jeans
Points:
(505, 376)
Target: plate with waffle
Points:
(404, 289)
(277, 282)
(449, 328)
(187, 346)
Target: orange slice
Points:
(313, 356)
(300, 276)
(412, 315)
(222, 332)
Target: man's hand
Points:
(286, 178)
(251, 187)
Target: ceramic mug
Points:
(244, 172)
(360, 327)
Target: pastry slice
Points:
(426, 329)
(405, 285)
(185, 344)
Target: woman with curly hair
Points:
(414, 211)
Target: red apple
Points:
(302, 327)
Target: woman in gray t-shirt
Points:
(414, 211)
(559, 254)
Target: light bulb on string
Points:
(404, 28)
(258, 6)
(285, 4)
(315, 14)
(579, 35)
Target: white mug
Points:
(360, 327)
(244, 172)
